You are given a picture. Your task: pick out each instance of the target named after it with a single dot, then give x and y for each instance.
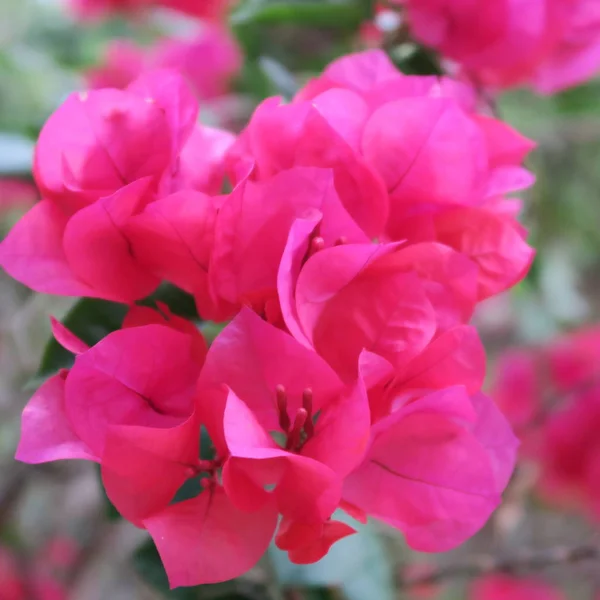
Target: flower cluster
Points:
(367, 219)
(551, 395)
(549, 44)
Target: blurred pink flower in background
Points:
(507, 587)
(206, 9)
(11, 583)
(208, 60)
(548, 44)
(551, 396)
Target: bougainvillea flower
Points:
(252, 231)
(388, 300)
(436, 468)
(548, 44)
(551, 394)
(508, 587)
(85, 255)
(127, 403)
(99, 141)
(269, 394)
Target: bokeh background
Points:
(59, 538)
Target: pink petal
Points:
(172, 238)
(346, 305)
(202, 161)
(314, 552)
(139, 376)
(506, 146)
(143, 467)
(495, 434)
(427, 474)
(492, 241)
(289, 270)
(168, 89)
(457, 357)
(433, 154)
(362, 71)
(97, 142)
(138, 316)
(208, 540)
(253, 358)
(281, 137)
(66, 338)
(33, 254)
(46, 433)
(98, 251)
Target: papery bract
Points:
(436, 468)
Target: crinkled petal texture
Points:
(208, 540)
(253, 357)
(435, 153)
(142, 376)
(387, 300)
(504, 587)
(98, 142)
(280, 137)
(254, 224)
(434, 469)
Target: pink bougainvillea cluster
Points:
(551, 395)
(549, 45)
(366, 220)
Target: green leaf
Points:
(91, 320)
(310, 13)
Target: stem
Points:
(527, 561)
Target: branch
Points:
(526, 561)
